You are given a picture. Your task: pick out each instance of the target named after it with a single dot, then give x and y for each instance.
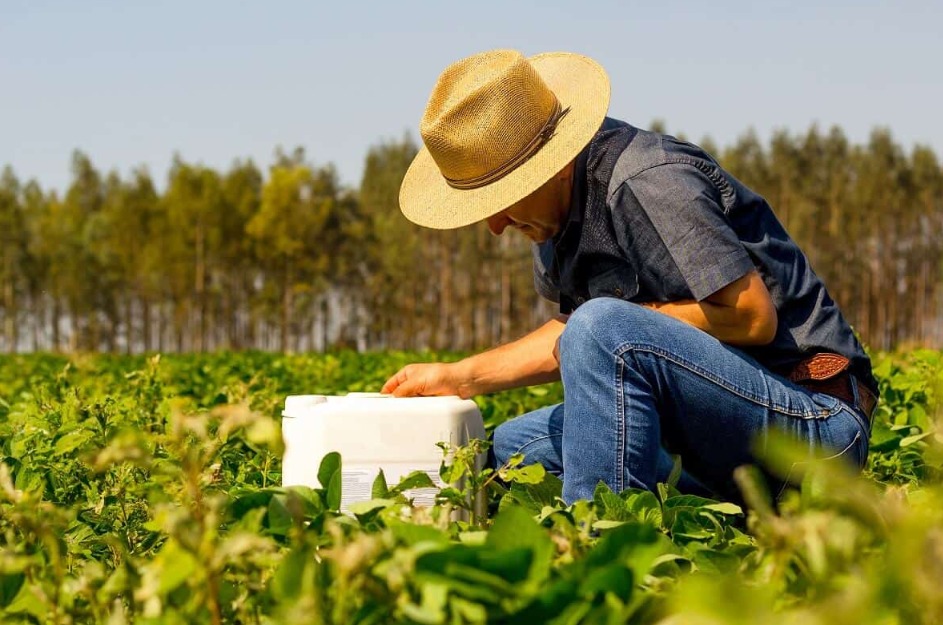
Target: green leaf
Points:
(72, 441)
(28, 602)
(431, 609)
(365, 507)
(416, 479)
(609, 506)
(614, 578)
(10, 584)
(718, 562)
(535, 497)
(411, 534)
(177, 565)
(724, 508)
(910, 440)
(279, 517)
(293, 574)
(330, 464)
(515, 528)
(244, 500)
(379, 489)
(334, 491)
(688, 501)
(644, 506)
(633, 544)
(529, 474)
(488, 580)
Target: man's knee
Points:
(599, 322)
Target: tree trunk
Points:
(56, 317)
(9, 320)
(38, 319)
(505, 332)
(252, 323)
(286, 307)
(145, 324)
(201, 286)
(129, 324)
(325, 321)
(445, 293)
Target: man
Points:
(689, 322)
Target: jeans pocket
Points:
(850, 455)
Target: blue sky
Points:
(131, 82)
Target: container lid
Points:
(294, 404)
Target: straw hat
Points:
(497, 127)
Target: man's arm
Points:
(526, 361)
(741, 313)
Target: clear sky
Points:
(130, 82)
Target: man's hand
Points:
(428, 379)
(531, 359)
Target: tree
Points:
(292, 234)
(395, 262)
(82, 282)
(13, 244)
(239, 267)
(193, 203)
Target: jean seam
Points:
(709, 376)
(835, 456)
(620, 424)
(535, 440)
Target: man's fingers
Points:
(398, 378)
(408, 388)
(406, 383)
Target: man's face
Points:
(540, 215)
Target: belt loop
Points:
(859, 405)
(853, 381)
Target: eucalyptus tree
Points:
(396, 264)
(294, 240)
(193, 203)
(12, 255)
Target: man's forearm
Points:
(741, 313)
(526, 361)
(724, 323)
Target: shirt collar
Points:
(577, 196)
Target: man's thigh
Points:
(715, 404)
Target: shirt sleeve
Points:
(686, 210)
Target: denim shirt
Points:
(653, 218)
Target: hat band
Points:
(542, 137)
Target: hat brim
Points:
(581, 84)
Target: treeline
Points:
(290, 259)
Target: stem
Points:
(265, 468)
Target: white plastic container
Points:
(373, 432)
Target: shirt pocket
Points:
(619, 282)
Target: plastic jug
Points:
(373, 432)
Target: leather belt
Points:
(828, 373)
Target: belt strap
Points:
(828, 373)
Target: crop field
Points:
(147, 490)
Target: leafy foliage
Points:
(138, 490)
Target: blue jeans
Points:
(638, 383)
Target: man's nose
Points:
(497, 223)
